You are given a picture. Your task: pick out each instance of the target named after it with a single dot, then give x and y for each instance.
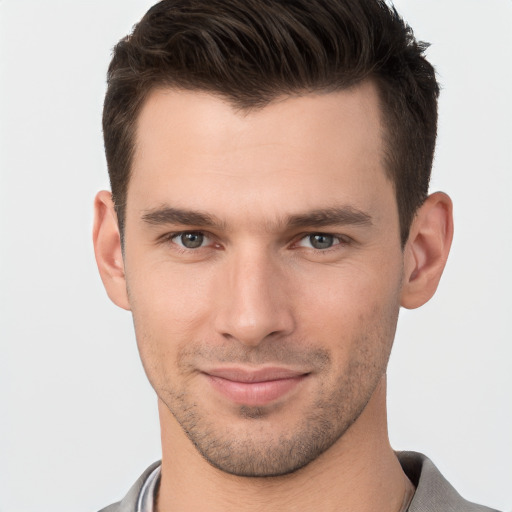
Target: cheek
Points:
(169, 310)
(168, 301)
(351, 310)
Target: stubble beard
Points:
(252, 448)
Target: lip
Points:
(254, 387)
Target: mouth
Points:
(256, 387)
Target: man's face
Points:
(264, 269)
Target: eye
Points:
(319, 241)
(190, 239)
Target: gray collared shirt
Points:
(433, 492)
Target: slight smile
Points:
(254, 387)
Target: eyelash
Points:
(342, 241)
(169, 238)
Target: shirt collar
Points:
(147, 496)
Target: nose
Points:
(253, 301)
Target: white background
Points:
(78, 420)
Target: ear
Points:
(107, 248)
(426, 250)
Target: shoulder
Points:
(130, 502)
(433, 492)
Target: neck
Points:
(359, 473)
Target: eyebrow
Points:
(343, 216)
(168, 215)
(340, 216)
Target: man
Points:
(269, 216)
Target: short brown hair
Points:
(252, 51)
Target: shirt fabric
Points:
(433, 492)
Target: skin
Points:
(252, 189)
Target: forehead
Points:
(195, 148)
(198, 116)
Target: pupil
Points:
(321, 241)
(192, 240)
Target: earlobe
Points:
(107, 249)
(427, 249)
